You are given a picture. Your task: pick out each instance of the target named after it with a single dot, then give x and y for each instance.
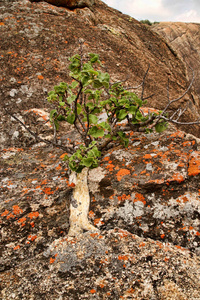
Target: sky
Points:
(159, 10)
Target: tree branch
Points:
(37, 137)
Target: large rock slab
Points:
(144, 201)
(184, 38)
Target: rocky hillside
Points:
(184, 38)
(145, 201)
(38, 38)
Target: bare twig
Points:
(68, 149)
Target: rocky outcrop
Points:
(184, 38)
(69, 3)
(144, 201)
(38, 38)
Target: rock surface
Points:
(38, 38)
(184, 38)
(145, 200)
(69, 3)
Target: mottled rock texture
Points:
(145, 200)
(38, 38)
(69, 3)
(184, 38)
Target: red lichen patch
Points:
(5, 213)
(17, 210)
(110, 167)
(123, 257)
(147, 156)
(32, 237)
(40, 77)
(63, 155)
(33, 214)
(48, 191)
(123, 233)
(16, 247)
(21, 221)
(51, 260)
(146, 110)
(156, 181)
(121, 173)
(98, 222)
(178, 134)
(194, 164)
(94, 234)
(91, 214)
(139, 197)
(124, 197)
(177, 177)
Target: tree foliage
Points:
(90, 94)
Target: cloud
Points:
(159, 10)
(189, 16)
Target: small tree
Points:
(80, 103)
(90, 94)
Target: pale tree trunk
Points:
(80, 203)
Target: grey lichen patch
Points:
(130, 211)
(71, 252)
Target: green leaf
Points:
(53, 113)
(88, 161)
(161, 126)
(74, 84)
(79, 108)
(97, 84)
(71, 99)
(71, 118)
(93, 119)
(96, 132)
(94, 58)
(122, 114)
(105, 126)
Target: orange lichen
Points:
(51, 260)
(147, 156)
(5, 213)
(40, 77)
(194, 164)
(48, 191)
(178, 134)
(93, 291)
(32, 237)
(16, 247)
(21, 221)
(33, 214)
(177, 177)
(98, 222)
(110, 167)
(139, 197)
(121, 173)
(122, 257)
(17, 210)
(124, 197)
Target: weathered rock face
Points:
(184, 38)
(144, 200)
(69, 3)
(38, 38)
